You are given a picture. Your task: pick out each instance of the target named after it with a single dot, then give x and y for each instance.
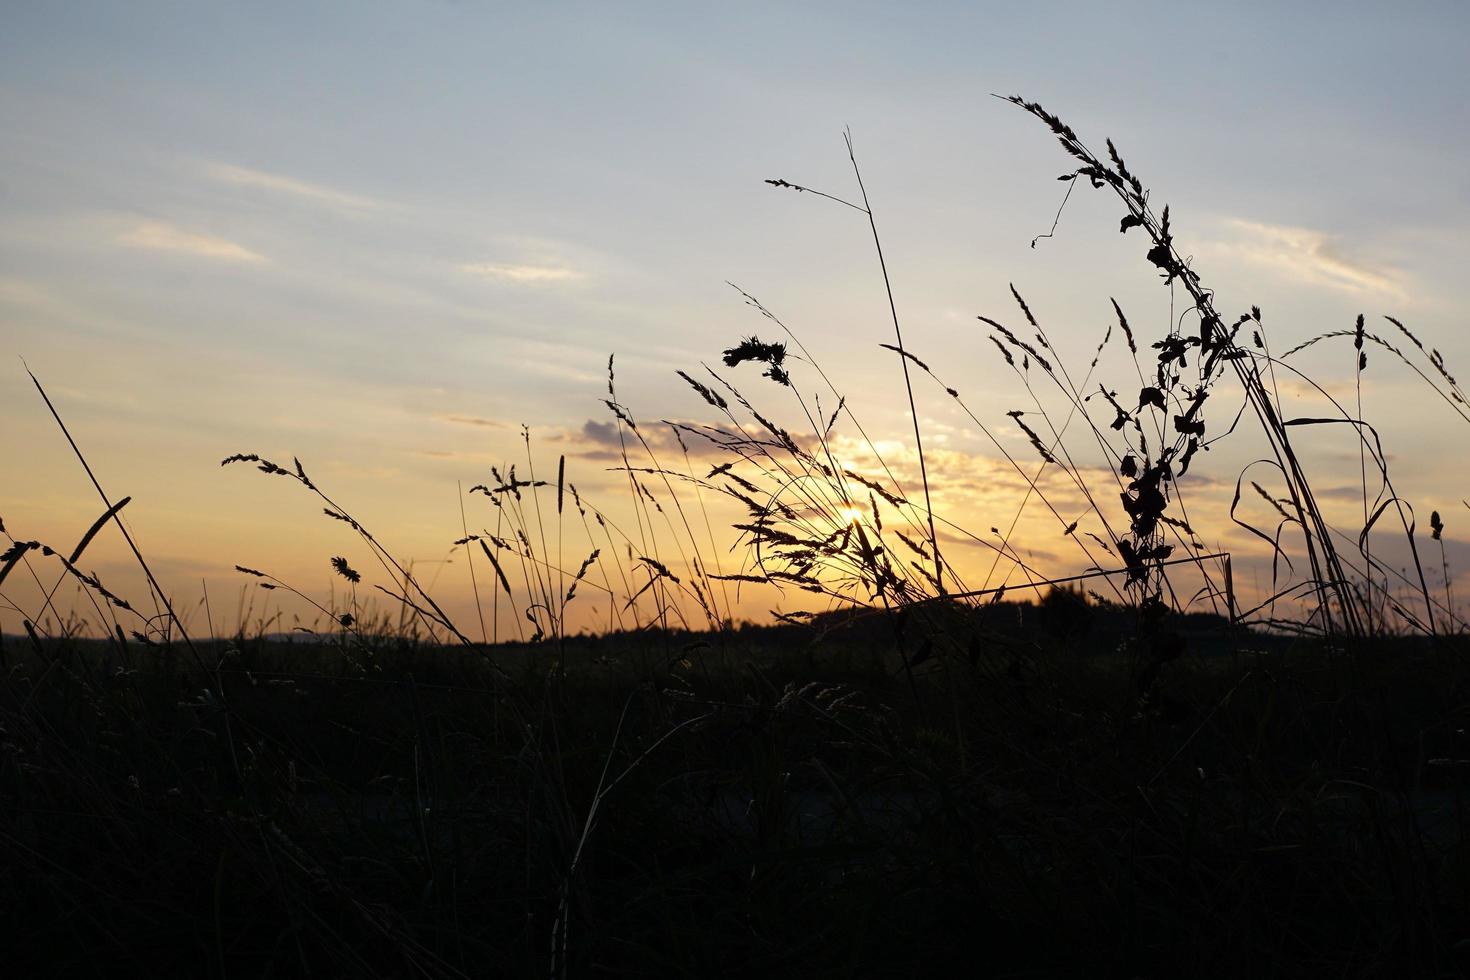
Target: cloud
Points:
(166, 237)
(601, 433)
(23, 293)
(598, 441)
(478, 459)
(1313, 255)
(526, 274)
(245, 177)
(471, 420)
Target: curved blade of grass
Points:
(97, 526)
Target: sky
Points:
(380, 238)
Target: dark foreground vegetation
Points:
(815, 801)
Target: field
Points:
(766, 801)
(1143, 769)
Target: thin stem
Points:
(903, 363)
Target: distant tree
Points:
(1065, 612)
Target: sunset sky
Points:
(381, 237)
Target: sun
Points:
(851, 515)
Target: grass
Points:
(1133, 770)
(759, 800)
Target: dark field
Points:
(824, 801)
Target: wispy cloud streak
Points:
(277, 183)
(163, 236)
(1312, 255)
(528, 274)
